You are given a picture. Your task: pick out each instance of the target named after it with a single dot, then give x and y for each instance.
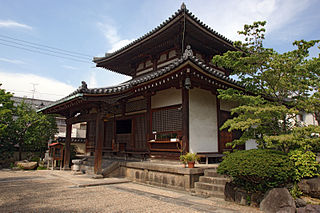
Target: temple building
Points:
(169, 106)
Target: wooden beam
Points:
(99, 144)
(66, 161)
(82, 118)
(185, 118)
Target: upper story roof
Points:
(180, 29)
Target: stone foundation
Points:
(162, 175)
(166, 175)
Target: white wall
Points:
(309, 119)
(251, 144)
(203, 130)
(166, 97)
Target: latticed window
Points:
(167, 120)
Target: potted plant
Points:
(183, 160)
(190, 158)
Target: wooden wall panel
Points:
(140, 133)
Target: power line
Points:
(45, 46)
(41, 52)
(43, 49)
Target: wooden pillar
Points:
(98, 144)
(148, 117)
(218, 122)
(66, 161)
(185, 118)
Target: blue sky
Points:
(95, 27)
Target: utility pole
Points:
(34, 89)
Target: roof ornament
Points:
(187, 52)
(83, 87)
(183, 6)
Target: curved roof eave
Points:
(171, 20)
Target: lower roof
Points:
(187, 57)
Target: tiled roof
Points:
(187, 56)
(158, 73)
(182, 10)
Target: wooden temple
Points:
(169, 106)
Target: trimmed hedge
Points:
(258, 169)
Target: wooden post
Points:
(185, 118)
(99, 143)
(218, 122)
(148, 117)
(66, 161)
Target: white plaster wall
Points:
(203, 130)
(227, 105)
(166, 97)
(309, 119)
(251, 144)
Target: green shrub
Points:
(41, 168)
(258, 169)
(295, 191)
(35, 159)
(305, 164)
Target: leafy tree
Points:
(7, 110)
(32, 130)
(277, 87)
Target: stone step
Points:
(214, 180)
(211, 173)
(207, 193)
(209, 187)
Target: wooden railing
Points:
(167, 146)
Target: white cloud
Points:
(92, 80)
(229, 17)
(45, 88)
(12, 61)
(13, 24)
(112, 36)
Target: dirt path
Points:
(45, 191)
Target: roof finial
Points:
(183, 6)
(83, 87)
(188, 52)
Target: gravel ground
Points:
(45, 191)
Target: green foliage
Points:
(33, 130)
(35, 159)
(22, 125)
(295, 191)
(7, 111)
(189, 157)
(305, 164)
(182, 159)
(41, 168)
(258, 169)
(285, 84)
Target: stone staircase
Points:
(211, 184)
